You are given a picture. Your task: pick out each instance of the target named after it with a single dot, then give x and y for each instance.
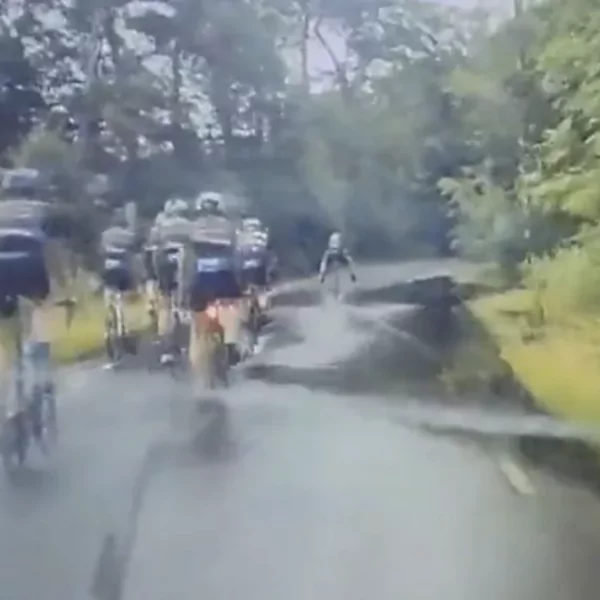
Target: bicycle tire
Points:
(153, 314)
(21, 439)
(336, 283)
(217, 372)
(7, 435)
(50, 417)
(113, 337)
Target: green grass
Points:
(557, 362)
(85, 337)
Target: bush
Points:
(567, 282)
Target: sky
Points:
(319, 60)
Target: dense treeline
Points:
(433, 129)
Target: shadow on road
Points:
(572, 460)
(211, 440)
(30, 486)
(297, 297)
(432, 349)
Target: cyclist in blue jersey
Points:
(34, 268)
(214, 287)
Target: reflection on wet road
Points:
(310, 478)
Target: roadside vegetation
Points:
(83, 337)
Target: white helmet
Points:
(210, 201)
(335, 240)
(252, 224)
(176, 208)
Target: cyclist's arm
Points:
(350, 261)
(324, 264)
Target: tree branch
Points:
(340, 70)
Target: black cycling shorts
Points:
(23, 267)
(118, 278)
(207, 287)
(167, 277)
(255, 275)
(337, 258)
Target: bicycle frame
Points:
(31, 417)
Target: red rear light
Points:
(212, 311)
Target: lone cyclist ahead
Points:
(336, 256)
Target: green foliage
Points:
(433, 123)
(490, 223)
(568, 281)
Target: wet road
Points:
(300, 493)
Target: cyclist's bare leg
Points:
(165, 327)
(206, 338)
(198, 352)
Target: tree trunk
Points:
(340, 69)
(306, 20)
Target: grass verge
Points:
(85, 336)
(557, 362)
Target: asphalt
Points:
(292, 486)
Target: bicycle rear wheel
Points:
(112, 341)
(218, 363)
(14, 442)
(153, 315)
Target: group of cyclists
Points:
(205, 273)
(206, 276)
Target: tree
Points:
(21, 100)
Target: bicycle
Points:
(35, 417)
(114, 328)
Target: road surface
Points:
(311, 493)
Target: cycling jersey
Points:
(29, 232)
(215, 275)
(335, 257)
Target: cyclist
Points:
(117, 252)
(335, 256)
(214, 288)
(173, 233)
(33, 269)
(255, 278)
